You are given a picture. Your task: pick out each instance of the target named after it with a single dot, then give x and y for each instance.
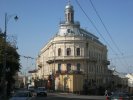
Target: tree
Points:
(12, 63)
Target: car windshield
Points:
(119, 95)
(31, 87)
(21, 94)
(41, 89)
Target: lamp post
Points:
(7, 17)
(3, 81)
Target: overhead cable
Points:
(107, 31)
(94, 25)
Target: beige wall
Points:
(70, 83)
(93, 57)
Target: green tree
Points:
(12, 62)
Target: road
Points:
(56, 96)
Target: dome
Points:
(69, 6)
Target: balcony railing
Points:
(62, 58)
(106, 62)
(33, 71)
(39, 64)
(76, 22)
(69, 72)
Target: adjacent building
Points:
(130, 82)
(73, 58)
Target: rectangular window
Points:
(86, 45)
(78, 51)
(68, 67)
(78, 67)
(59, 67)
(68, 51)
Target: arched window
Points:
(78, 51)
(68, 51)
(78, 66)
(68, 30)
(68, 67)
(69, 16)
(59, 52)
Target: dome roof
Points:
(75, 30)
(69, 6)
(72, 28)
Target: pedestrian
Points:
(106, 92)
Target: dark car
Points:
(119, 96)
(22, 95)
(32, 90)
(41, 91)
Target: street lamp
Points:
(7, 18)
(4, 83)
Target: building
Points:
(19, 80)
(74, 58)
(130, 82)
(119, 81)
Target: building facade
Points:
(130, 82)
(73, 57)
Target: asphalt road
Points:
(67, 97)
(59, 98)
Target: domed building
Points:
(74, 58)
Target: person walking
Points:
(106, 92)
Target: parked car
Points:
(119, 96)
(22, 95)
(41, 91)
(32, 90)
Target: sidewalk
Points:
(71, 95)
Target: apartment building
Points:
(73, 57)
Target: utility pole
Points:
(25, 74)
(3, 80)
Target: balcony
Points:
(65, 58)
(33, 71)
(69, 72)
(39, 64)
(106, 62)
(64, 23)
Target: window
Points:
(86, 45)
(69, 16)
(78, 51)
(68, 67)
(78, 67)
(59, 52)
(69, 30)
(59, 67)
(68, 51)
(72, 17)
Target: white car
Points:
(41, 91)
(22, 95)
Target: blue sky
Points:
(39, 21)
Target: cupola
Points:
(69, 14)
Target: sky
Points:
(39, 21)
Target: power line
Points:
(107, 31)
(98, 30)
(105, 27)
(28, 57)
(94, 25)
